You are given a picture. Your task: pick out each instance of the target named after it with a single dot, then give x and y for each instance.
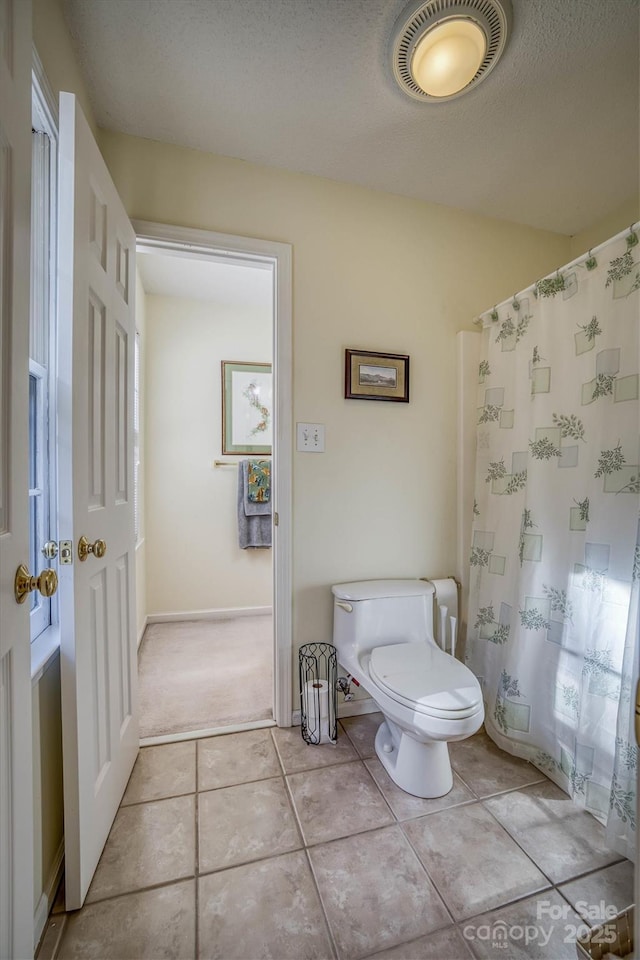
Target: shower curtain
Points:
(553, 630)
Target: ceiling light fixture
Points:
(442, 48)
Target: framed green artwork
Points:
(247, 408)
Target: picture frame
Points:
(247, 408)
(376, 376)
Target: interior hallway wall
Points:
(194, 562)
(371, 271)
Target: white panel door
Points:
(16, 800)
(96, 247)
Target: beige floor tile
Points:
(362, 732)
(337, 801)
(297, 755)
(487, 769)
(149, 843)
(562, 839)
(245, 822)
(151, 925)
(236, 758)
(262, 911)
(473, 862)
(164, 771)
(375, 892)
(602, 894)
(407, 807)
(538, 928)
(445, 944)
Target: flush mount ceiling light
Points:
(442, 48)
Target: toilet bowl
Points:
(383, 632)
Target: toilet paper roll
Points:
(316, 700)
(446, 596)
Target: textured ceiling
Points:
(550, 139)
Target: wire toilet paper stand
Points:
(318, 664)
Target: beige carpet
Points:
(208, 673)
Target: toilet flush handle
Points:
(345, 606)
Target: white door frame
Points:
(158, 238)
(16, 745)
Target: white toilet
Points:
(383, 632)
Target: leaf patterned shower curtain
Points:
(553, 629)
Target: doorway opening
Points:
(213, 604)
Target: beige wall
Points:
(193, 558)
(371, 271)
(55, 49)
(141, 545)
(613, 223)
(47, 779)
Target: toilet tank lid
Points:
(381, 589)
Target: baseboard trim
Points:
(219, 614)
(45, 902)
(207, 732)
(142, 630)
(350, 708)
(357, 708)
(40, 919)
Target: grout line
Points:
(507, 903)
(197, 867)
(522, 786)
(249, 863)
(518, 844)
(323, 766)
(275, 745)
(380, 791)
(296, 815)
(128, 893)
(332, 941)
(170, 796)
(430, 878)
(243, 783)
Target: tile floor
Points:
(255, 845)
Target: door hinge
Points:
(276, 519)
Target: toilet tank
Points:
(381, 612)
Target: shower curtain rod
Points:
(566, 266)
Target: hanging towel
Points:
(259, 481)
(254, 519)
(253, 508)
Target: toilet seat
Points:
(425, 679)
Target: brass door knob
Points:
(97, 549)
(24, 584)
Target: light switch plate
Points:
(310, 437)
